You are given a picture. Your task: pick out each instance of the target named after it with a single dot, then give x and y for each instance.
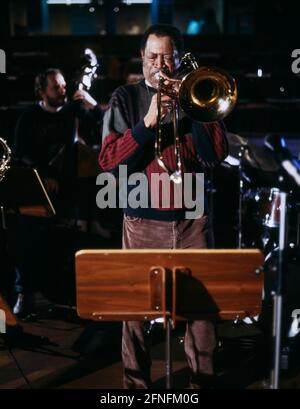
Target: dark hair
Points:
(164, 30)
(209, 15)
(41, 80)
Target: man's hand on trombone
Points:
(169, 86)
(151, 117)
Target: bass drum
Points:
(291, 286)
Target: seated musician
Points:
(45, 139)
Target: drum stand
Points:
(278, 296)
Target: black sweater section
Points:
(44, 140)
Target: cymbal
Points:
(236, 144)
(236, 140)
(250, 153)
(258, 157)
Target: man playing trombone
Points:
(138, 132)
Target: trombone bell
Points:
(207, 94)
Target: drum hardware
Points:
(276, 144)
(238, 158)
(232, 161)
(274, 211)
(259, 171)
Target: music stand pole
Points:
(168, 355)
(278, 296)
(241, 194)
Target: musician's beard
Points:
(57, 102)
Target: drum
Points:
(264, 204)
(261, 218)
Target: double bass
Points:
(87, 157)
(84, 154)
(88, 71)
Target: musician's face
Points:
(159, 53)
(55, 91)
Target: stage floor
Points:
(58, 350)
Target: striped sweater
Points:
(126, 141)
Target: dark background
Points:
(253, 35)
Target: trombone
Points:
(205, 94)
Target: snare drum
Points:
(264, 206)
(268, 201)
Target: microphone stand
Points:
(276, 143)
(278, 296)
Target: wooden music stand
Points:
(10, 319)
(22, 191)
(135, 285)
(123, 285)
(119, 285)
(217, 284)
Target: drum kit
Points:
(260, 181)
(269, 219)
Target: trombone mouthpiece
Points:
(157, 75)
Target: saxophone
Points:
(5, 158)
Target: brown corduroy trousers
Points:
(200, 338)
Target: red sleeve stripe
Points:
(117, 149)
(218, 139)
